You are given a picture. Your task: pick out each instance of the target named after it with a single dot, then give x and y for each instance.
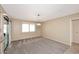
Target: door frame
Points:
(7, 21)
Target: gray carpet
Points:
(74, 49)
(36, 46)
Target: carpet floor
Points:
(40, 46)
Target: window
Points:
(5, 28)
(28, 28)
(32, 27)
(25, 27)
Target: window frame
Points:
(29, 27)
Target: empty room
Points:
(39, 28)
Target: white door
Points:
(75, 31)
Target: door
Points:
(75, 31)
(6, 32)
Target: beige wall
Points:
(17, 33)
(1, 31)
(1, 23)
(60, 29)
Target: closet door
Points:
(76, 31)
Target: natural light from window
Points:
(32, 27)
(5, 28)
(28, 28)
(25, 27)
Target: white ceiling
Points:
(46, 11)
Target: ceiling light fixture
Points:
(4, 14)
(38, 24)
